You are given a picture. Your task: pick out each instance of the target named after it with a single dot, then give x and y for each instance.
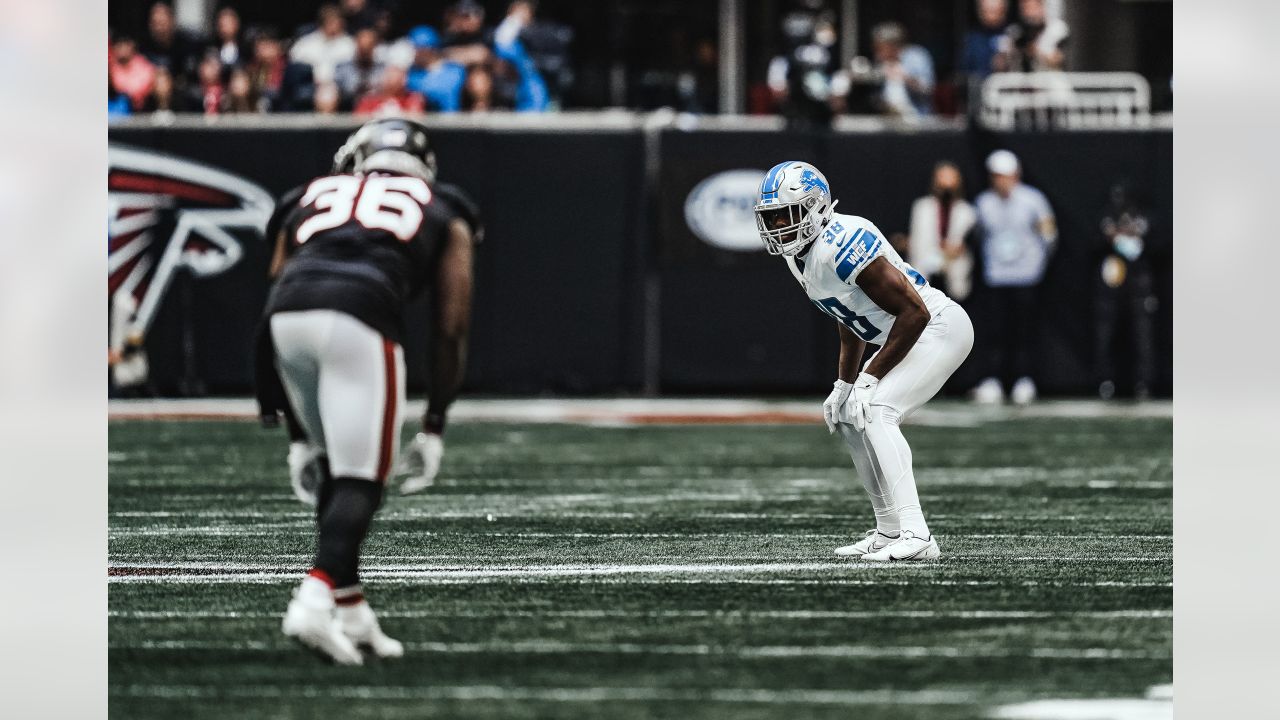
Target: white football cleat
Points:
(988, 392)
(421, 461)
(310, 621)
(873, 542)
(305, 472)
(1023, 392)
(360, 625)
(908, 548)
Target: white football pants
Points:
(880, 452)
(345, 381)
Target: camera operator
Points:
(1033, 43)
(900, 82)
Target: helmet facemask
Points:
(806, 219)
(398, 162)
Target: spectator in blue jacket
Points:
(530, 90)
(982, 45)
(438, 79)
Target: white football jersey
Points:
(827, 272)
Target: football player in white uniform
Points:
(850, 272)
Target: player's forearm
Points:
(906, 330)
(851, 348)
(448, 367)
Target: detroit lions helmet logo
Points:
(810, 180)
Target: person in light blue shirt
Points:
(1017, 231)
(438, 79)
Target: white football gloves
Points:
(305, 473)
(421, 462)
(850, 402)
(834, 402)
(858, 406)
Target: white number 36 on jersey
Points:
(393, 204)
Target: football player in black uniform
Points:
(360, 245)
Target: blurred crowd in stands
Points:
(346, 61)
(359, 56)
(808, 84)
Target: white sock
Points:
(315, 592)
(881, 501)
(891, 457)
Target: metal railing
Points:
(1065, 101)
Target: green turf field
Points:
(571, 571)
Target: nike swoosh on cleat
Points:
(912, 556)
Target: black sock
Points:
(344, 511)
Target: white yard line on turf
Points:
(304, 517)
(553, 694)
(673, 614)
(160, 568)
(428, 561)
(412, 579)
(1157, 705)
(634, 574)
(555, 647)
(660, 410)
(273, 528)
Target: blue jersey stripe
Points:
(849, 264)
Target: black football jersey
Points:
(365, 245)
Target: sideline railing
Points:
(1065, 101)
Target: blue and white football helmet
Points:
(798, 192)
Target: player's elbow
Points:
(915, 317)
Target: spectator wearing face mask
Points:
(1124, 288)
(940, 222)
(801, 78)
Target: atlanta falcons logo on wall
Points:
(167, 214)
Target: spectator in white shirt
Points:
(325, 47)
(1018, 232)
(939, 223)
